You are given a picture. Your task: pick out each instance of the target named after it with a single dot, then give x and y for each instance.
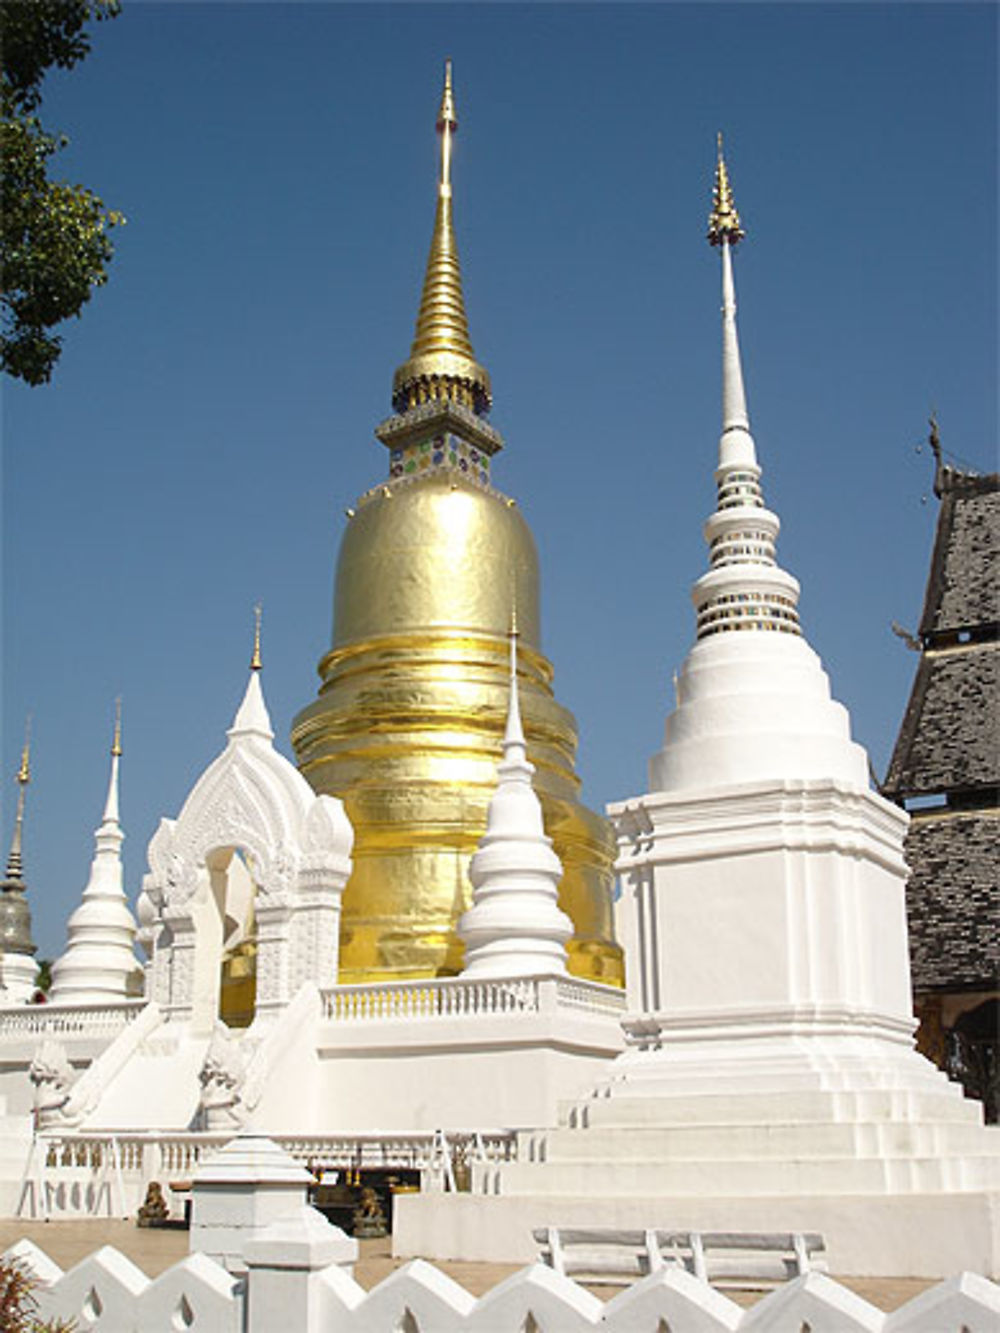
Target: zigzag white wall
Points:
(106, 1293)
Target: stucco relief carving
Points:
(221, 1080)
(52, 1076)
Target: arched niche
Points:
(250, 815)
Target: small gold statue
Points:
(154, 1211)
(369, 1219)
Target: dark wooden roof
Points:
(950, 737)
(949, 740)
(949, 745)
(963, 590)
(953, 901)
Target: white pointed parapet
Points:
(106, 1291)
(99, 958)
(515, 926)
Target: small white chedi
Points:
(99, 963)
(515, 926)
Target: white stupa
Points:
(515, 926)
(99, 959)
(770, 1081)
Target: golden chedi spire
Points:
(723, 221)
(408, 726)
(442, 364)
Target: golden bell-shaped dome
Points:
(408, 725)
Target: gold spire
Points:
(116, 744)
(255, 661)
(723, 221)
(442, 364)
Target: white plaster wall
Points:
(763, 895)
(917, 1236)
(495, 1087)
(485, 1071)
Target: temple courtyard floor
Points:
(155, 1250)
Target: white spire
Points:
(736, 438)
(111, 804)
(99, 960)
(514, 926)
(745, 589)
(252, 718)
(749, 706)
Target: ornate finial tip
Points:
(24, 772)
(255, 661)
(723, 221)
(447, 115)
(116, 744)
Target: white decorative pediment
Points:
(296, 845)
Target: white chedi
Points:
(514, 926)
(99, 958)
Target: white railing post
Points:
(282, 1263)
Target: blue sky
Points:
(212, 415)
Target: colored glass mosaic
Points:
(445, 452)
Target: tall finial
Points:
(514, 733)
(111, 804)
(442, 364)
(447, 125)
(745, 589)
(116, 743)
(15, 867)
(255, 661)
(24, 772)
(723, 221)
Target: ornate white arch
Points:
(252, 799)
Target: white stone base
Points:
(913, 1235)
(858, 1138)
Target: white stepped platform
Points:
(918, 1235)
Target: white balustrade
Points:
(590, 995)
(137, 1159)
(54, 1020)
(453, 997)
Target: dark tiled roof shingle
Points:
(963, 590)
(950, 737)
(953, 900)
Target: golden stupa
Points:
(408, 724)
